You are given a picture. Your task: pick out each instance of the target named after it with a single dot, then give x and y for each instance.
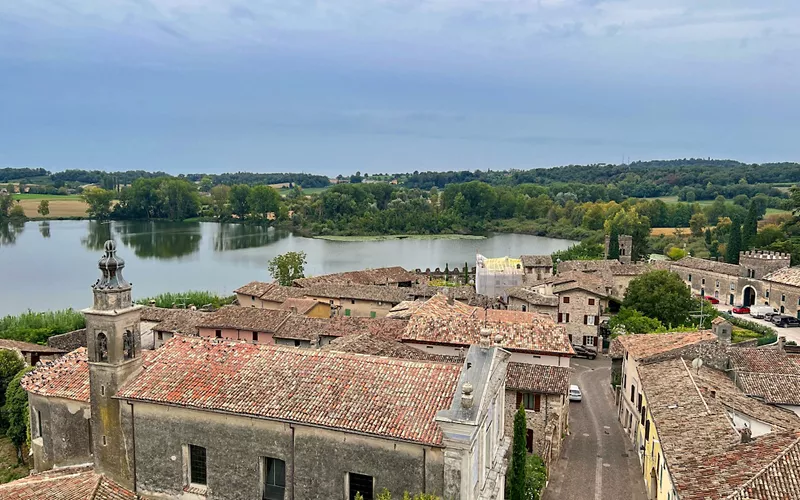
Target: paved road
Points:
(789, 333)
(597, 463)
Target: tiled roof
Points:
(277, 293)
(388, 294)
(374, 395)
(69, 483)
(543, 379)
(573, 279)
(785, 276)
(66, 377)
(376, 345)
(183, 321)
(651, 344)
(254, 288)
(28, 347)
(300, 306)
(768, 374)
(763, 360)
(438, 322)
(246, 318)
(305, 328)
(614, 267)
(708, 265)
(405, 309)
(462, 292)
(780, 479)
(378, 276)
(532, 297)
(536, 260)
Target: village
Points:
(380, 382)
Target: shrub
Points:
(535, 477)
(36, 327)
(187, 299)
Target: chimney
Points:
(485, 338)
(781, 344)
(466, 395)
(746, 435)
(450, 299)
(712, 393)
(294, 309)
(152, 303)
(498, 340)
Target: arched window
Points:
(102, 347)
(127, 345)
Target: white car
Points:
(575, 393)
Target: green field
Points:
(704, 203)
(403, 237)
(306, 191)
(29, 196)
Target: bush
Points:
(632, 321)
(187, 299)
(15, 411)
(535, 477)
(37, 327)
(762, 330)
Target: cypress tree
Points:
(708, 237)
(750, 228)
(734, 243)
(613, 244)
(466, 273)
(519, 456)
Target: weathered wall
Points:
(69, 341)
(65, 438)
(552, 408)
(577, 308)
(516, 304)
(249, 301)
(234, 445)
(234, 334)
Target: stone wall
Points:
(516, 304)
(577, 308)
(65, 437)
(553, 413)
(317, 460)
(69, 341)
(757, 264)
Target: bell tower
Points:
(114, 348)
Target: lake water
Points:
(51, 265)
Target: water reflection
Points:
(97, 233)
(162, 240)
(44, 229)
(9, 231)
(240, 236)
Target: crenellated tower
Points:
(115, 351)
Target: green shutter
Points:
(347, 312)
(372, 314)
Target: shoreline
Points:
(395, 237)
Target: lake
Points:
(51, 265)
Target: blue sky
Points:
(394, 85)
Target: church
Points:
(210, 418)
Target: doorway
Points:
(748, 296)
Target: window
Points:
(733, 285)
(372, 314)
(639, 403)
(359, 483)
(647, 431)
(105, 441)
(589, 320)
(529, 401)
(624, 380)
(690, 278)
(766, 294)
(160, 336)
(782, 309)
(297, 343)
(352, 301)
(255, 336)
(273, 478)
(127, 345)
(643, 414)
(197, 464)
(633, 393)
(589, 340)
(252, 299)
(347, 312)
(218, 334)
(525, 308)
(783, 298)
(591, 302)
(529, 440)
(703, 281)
(566, 300)
(102, 347)
(563, 317)
(717, 284)
(38, 423)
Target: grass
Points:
(9, 468)
(191, 298)
(771, 211)
(389, 237)
(307, 191)
(37, 197)
(36, 327)
(669, 231)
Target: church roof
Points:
(380, 396)
(69, 483)
(66, 377)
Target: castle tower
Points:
(756, 264)
(115, 352)
(625, 247)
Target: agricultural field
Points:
(37, 197)
(306, 191)
(60, 206)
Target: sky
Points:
(394, 85)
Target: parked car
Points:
(769, 315)
(784, 321)
(711, 299)
(584, 352)
(761, 312)
(575, 393)
(740, 310)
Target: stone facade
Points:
(60, 432)
(625, 248)
(547, 425)
(518, 304)
(581, 312)
(69, 341)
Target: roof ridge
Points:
(764, 469)
(96, 486)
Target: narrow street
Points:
(596, 462)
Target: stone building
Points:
(31, 353)
(527, 300)
(381, 276)
(213, 418)
(625, 248)
(494, 276)
(537, 267)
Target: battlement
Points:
(764, 255)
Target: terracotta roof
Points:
(378, 276)
(388, 294)
(254, 288)
(376, 345)
(570, 280)
(462, 292)
(245, 318)
(405, 309)
(651, 344)
(278, 293)
(439, 322)
(544, 379)
(779, 480)
(300, 306)
(767, 373)
(786, 276)
(28, 347)
(66, 377)
(613, 267)
(183, 321)
(69, 483)
(708, 265)
(305, 328)
(762, 360)
(532, 297)
(536, 260)
(374, 395)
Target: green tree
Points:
(44, 208)
(750, 227)
(675, 253)
(99, 201)
(661, 295)
(466, 273)
(238, 200)
(519, 456)
(734, 245)
(613, 244)
(17, 213)
(287, 267)
(697, 223)
(262, 200)
(10, 365)
(535, 477)
(6, 202)
(630, 222)
(206, 183)
(633, 321)
(15, 411)
(179, 199)
(708, 236)
(219, 197)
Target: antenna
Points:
(697, 364)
